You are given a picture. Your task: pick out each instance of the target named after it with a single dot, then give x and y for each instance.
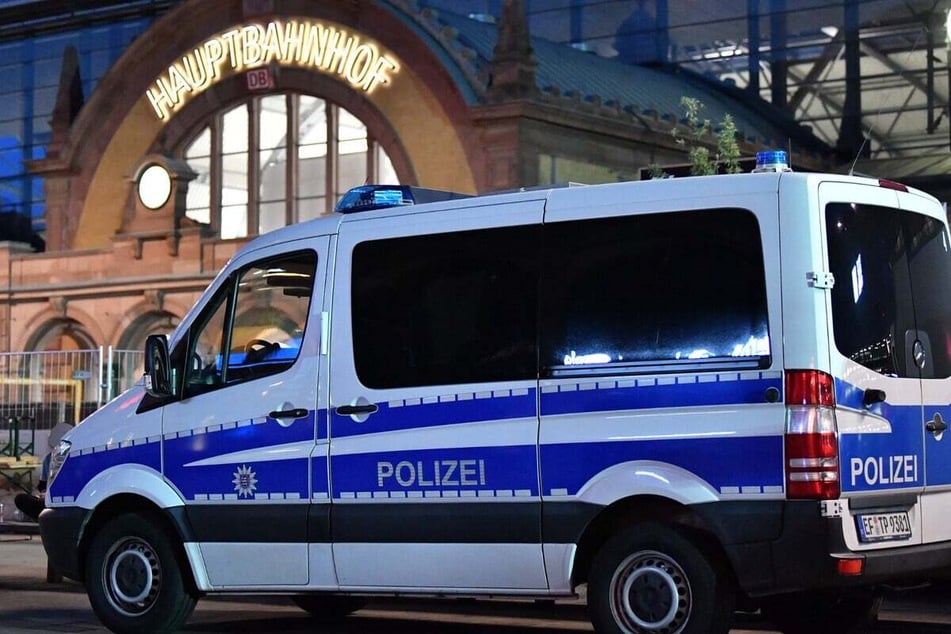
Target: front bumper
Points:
(61, 529)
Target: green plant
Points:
(698, 128)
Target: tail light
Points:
(811, 441)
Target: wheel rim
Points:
(650, 593)
(132, 576)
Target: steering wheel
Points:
(257, 349)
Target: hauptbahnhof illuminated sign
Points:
(324, 47)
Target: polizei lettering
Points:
(431, 473)
(876, 470)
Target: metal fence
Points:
(42, 389)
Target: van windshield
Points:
(892, 271)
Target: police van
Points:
(676, 396)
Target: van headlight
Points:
(58, 458)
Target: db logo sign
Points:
(260, 79)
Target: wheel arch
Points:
(136, 489)
(638, 509)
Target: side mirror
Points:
(158, 381)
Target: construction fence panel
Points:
(40, 389)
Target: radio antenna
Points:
(858, 154)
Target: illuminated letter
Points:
(214, 56)
(228, 38)
(336, 54)
(320, 41)
(358, 66)
(293, 42)
(251, 53)
(160, 102)
(272, 43)
(195, 71)
(179, 84)
(382, 66)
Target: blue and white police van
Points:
(675, 396)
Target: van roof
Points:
(561, 197)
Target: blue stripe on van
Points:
(746, 464)
(566, 398)
(453, 409)
(85, 465)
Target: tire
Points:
(328, 608)
(815, 613)
(134, 578)
(652, 579)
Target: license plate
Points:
(877, 527)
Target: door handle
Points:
(297, 412)
(350, 410)
(873, 396)
(936, 425)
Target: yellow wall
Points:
(111, 184)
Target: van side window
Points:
(449, 308)
(254, 325)
(892, 273)
(654, 293)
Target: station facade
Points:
(223, 120)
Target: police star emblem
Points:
(245, 481)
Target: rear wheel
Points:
(134, 579)
(652, 579)
(328, 608)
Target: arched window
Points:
(276, 160)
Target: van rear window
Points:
(892, 272)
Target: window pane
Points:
(640, 291)
(352, 172)
(271, 313)
(234, 194)
(451, 308)
(274, 122)
(930, 264)
(198, 157)
(234, 137)
(271, 306)
(386, 173)
(313, 127)
(271, 216)
(312, 158)
(310, 208)
(234, 221)
(203, 362)
(273, 157)
(892, 274)
(313, 177)
(352, 152)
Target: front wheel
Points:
(134, 579)
(652, 579)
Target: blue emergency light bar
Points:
(372, 197)
(772, 161)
